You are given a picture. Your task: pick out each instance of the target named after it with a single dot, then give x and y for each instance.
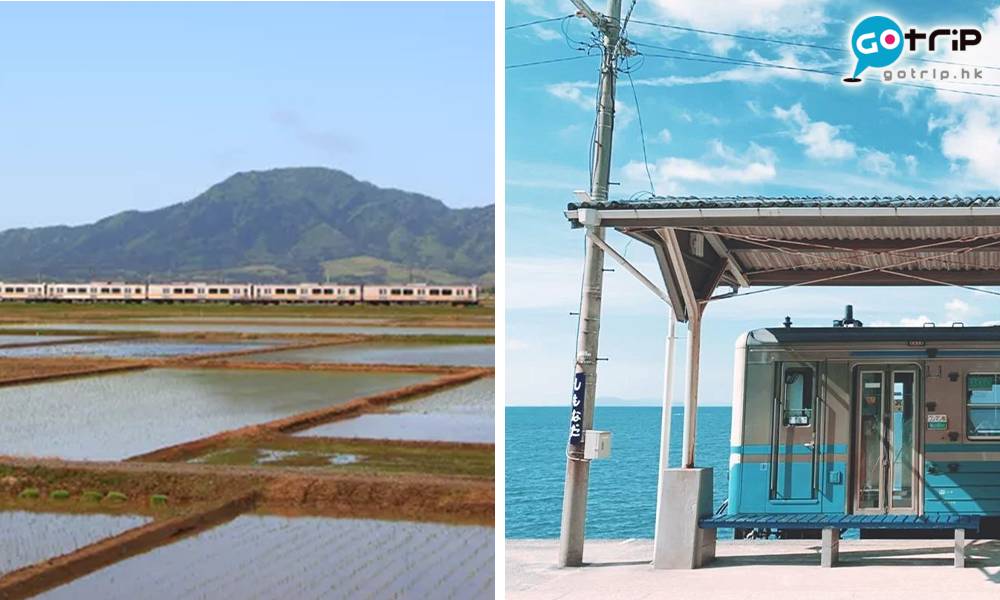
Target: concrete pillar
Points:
(691, 400)
(684, 545)
(659, 536)
(830, 551)
(960, 548)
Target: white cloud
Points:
(700, 117)
(723, 165)
(545, 283)
(798, 17)
(876, 162)
(545, 34)
(788, 56)
(582, 94)
(541, 8)
(573, 91)
(971, 125)
(664, 136)
(820, 139)
(911, 164)
(959, 310)
(914, 322)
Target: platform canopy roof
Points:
(702, 244)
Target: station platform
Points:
(759, 570)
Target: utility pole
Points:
(574, 510)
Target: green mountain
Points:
(280, 225)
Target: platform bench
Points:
(832, 524)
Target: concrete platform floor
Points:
(760, 570)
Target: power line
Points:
(715, 58)
(538, 22)
(546, 62)
(767, 40)
(642, 133)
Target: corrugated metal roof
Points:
(667, 202)
(760, 261)
(837, 232)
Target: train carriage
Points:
(276, 293)
(22, 292)
(867, 420)
(228, 292)
(329, 292)
(177, 292)
(421, 293)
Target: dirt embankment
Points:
(46, 575)
(299, 490)
(18, 371)
(309, 419)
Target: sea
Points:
(622, 499)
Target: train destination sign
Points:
(937, 421)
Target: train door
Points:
(794, 426)
(887, 399)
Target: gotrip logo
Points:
(878, 41)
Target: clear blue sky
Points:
(116, 106)
(718, 129)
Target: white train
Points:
(264, 293)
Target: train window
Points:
(116, 290)
(446, 292)
(395, 292)
(983, 405)
(407, 292)
(435, 292)
(798, 396)
(19, 290)
(328, 292)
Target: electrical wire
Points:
(538, 22)
(752, 63)
(642, 133)
(797, 44)
(546, 62)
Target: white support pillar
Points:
(691, 399)
(660, 535)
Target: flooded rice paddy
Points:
(460, 414)
(479, 355)
(280, 557)
(261, 328)
(128, 349)
(112, 417)
(30, 537)
(7, 340)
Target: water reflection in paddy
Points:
(30, 537)
(117, 416)
(281, 557)
(128, 349)
(460, 414)
(396, 354)
(6, 340)
(253, 328)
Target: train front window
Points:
(983, 405)
(798, 393)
